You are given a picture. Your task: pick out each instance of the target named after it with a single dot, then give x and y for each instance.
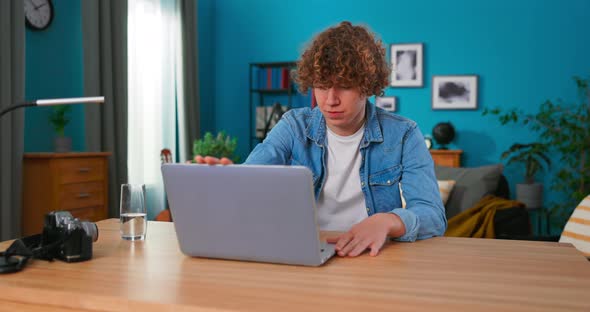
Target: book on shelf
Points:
(285, 78)
(271, 78)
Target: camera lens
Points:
(91, 229)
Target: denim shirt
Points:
(393, 152)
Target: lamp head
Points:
(66, 101)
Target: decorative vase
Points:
(62, 144)
(530, 194)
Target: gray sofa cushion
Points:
(471, 185)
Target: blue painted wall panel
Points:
(524, 52)
(54, 69)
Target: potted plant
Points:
(533, 156)
(219, 146)
(59, 119)
(563, 127)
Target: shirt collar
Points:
(316, 130)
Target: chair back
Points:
(164, 215)
(577, 228)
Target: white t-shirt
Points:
(342, 203)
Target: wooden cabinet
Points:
(447, 158)
(77, 182)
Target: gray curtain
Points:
(12, 90)
(191, 70)
(104, 33)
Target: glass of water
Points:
(133, 212)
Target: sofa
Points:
(472, 184)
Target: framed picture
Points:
(406, 65)
(388, 103)
(454, 92)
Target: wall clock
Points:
(38, 14)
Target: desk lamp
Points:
(51, 102)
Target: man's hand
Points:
(369, 233)
(213, 160)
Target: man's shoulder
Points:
(299, 117)
(394, 122)
(299, 113)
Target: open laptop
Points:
(244, 212)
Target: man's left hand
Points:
(370, 233)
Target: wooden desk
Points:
(442, 274)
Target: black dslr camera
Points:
(67, 238)
(64, 237)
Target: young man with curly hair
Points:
(358, 153)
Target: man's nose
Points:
(332, 98)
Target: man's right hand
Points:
(210, 160)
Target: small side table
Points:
(447, 158)
(542, 224)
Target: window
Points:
(155, 92)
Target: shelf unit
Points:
(259, 96)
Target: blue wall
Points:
(524, 52)
(54, 69)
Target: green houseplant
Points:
(565, 128)
(533, 157)
(59, 119)
(219, 146)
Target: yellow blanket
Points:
(478, 221)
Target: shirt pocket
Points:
(386, 177)
(385, 188)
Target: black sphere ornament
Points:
(443, 133)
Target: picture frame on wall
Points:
(388, 103)
(406, 65)
(454, 92)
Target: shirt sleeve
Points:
(424, 215)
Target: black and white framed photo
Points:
(406, 65)
(388, 103)
(454, 92)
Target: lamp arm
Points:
(23, 104)
(51, 102)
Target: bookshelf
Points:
(271, 94)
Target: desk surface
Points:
(443, 274)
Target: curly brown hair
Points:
(345, 55)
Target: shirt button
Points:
(388, 181)
(362, 183)
(368, 209)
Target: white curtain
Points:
(155, 93)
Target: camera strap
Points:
(15, 257)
